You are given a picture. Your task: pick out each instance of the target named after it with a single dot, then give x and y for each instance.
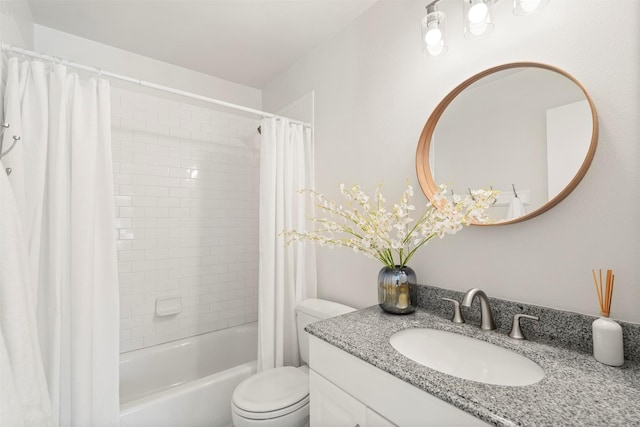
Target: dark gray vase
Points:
(397, 290)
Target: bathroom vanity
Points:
(347, 391)
(358, 378)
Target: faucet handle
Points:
(516, 332)
(457, 314)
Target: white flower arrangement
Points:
(391, 236)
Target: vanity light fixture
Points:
(477, 17)
(527, 7)
(477, 21)
(433, 31)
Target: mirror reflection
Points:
(528, 131)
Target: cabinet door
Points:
(374, 419)
(331, 406)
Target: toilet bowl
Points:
(280, 397)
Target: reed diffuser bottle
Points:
(607, 334)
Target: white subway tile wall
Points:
(186, 189)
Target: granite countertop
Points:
(576, 390)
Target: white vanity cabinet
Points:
(346, 391)
(332, 406)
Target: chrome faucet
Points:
(486, 318)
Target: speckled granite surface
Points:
(576, 391)
(556, 327)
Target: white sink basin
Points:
(466, 357)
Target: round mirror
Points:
(528, 130)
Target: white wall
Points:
(84, 51)
(16, 23)
(567, 141)
(186, 186)
(374, 91)
(16, 28)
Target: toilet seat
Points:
(273, 414)
(271, 394)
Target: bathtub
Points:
(187, 382)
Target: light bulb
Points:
(478, 18)
(434, 31)
(478, 12)
(529, 6)
(433, 36)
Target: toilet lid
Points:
(272, 390)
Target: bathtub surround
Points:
(186, 184)
(287, 274)
(62, 176)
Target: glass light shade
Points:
(527, 7)
(433, 34)
(478, 17)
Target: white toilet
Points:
(280, 397)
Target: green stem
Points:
(417, 224)
(413, 251)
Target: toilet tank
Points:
(312, 310)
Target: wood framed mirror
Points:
(527, 129)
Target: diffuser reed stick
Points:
(605, 293)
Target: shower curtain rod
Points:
(100, 72)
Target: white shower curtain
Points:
(287, 274)
(24, 398)
(62, 178)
